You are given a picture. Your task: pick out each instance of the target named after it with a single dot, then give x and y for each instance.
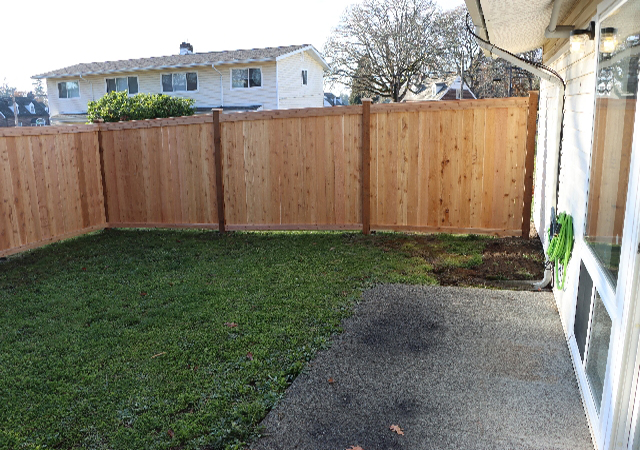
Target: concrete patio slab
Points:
(454, 368)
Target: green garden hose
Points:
(561, 245)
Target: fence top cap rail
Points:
(161, 122)
(270, 114)
(50, 130)
(448, 105)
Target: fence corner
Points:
(103, 175)
(532, 117)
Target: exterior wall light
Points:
(608, 40)
(578, 38)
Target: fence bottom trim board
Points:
(209, 226)
(38, 244)
(294, 227)
(451, 230)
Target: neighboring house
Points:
(433, 89)
(237, 80)
(31, 113)
(332, 99)
(588, 165)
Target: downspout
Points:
(91, 85)
(555, 31)
(221, 87)
(552, 77)
(15, 111)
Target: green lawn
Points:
(128, 339)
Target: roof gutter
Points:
(555, 31)
(493, 50)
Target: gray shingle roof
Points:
(175, 61)
(435, 89)
(22, 103)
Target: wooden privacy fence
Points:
(453, 166)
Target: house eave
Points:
(518, 25)
(313, 50)
(475, 11)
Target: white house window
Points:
(180, 82)
(304, 77)
(32, 109)
(129, 84)
(246, 78)
(68, 89)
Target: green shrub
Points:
(119, 106)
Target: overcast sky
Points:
(43, 36)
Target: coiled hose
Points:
(561, 245)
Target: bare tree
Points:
(6, 90)
(383, 47)
(499, 78)
(39, 92)
(458, 50)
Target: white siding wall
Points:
(292, 93)
(265, 95)
(208, 94)
(67, 105)
(578, 71)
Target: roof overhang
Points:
(515, 25)
(311, 49)
(150, 68)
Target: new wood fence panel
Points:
(449, 169)
(353, 169)
(478, 131)
(50, 188)
(293, 172)
(454, 166)
(160, 176)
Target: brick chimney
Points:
(186, 49)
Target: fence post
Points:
(366, 165)
(217, 150)
(529, 161)
(99, 123)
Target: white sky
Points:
(50, 36)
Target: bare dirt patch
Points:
(471, 260)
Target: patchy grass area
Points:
(469, 261)
(182, 339)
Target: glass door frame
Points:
(619, 301)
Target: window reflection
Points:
(616, 92)
(598, 350)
